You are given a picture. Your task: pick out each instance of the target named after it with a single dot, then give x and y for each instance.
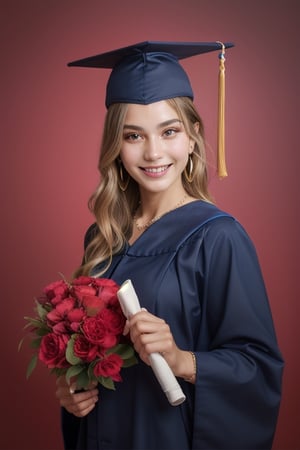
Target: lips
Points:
(156, 170)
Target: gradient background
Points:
(51, 122)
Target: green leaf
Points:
(20, 344)
(31, 366)
(73, 371)
(63, 277)
(124, 350)
(41, 310)
(82, 380)
(107, 383)
(35, 343)
(58, 371)
(42, 331)
(70, 357)
(28, 325)
(130, 361)
(34, 322)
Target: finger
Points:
(84, 412)
(69, 395)
(143, 314)
(126, 328)
(79, 403)
(148, 344)
(82, 396)
(84, 406)
(80, 410)
(146, 331)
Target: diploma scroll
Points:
(130, 305)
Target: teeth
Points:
(156, 169)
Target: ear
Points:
(192, 142)
(191, 146)
(196, 127)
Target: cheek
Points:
(180, 149)
(128, 157)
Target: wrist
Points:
(192, 378)
(188, 367)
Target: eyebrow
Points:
(160, 125)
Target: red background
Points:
(51, 121)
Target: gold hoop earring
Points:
(188, 170)
(123, 185)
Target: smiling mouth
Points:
(156, 170)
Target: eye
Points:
(131, 136)
(170, 132)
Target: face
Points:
(155, 147)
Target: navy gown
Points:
(196, 268)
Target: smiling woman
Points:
(161, 149)
(195, 270)
(155, 153)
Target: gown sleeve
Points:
(239, 366)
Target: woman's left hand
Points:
(151, 334)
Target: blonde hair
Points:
(113, 208)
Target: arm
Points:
(238, 384)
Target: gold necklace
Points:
(150, 222)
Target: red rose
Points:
(107, 289)
(81, 291)
(74, 318)
(42, 299)
(83, 280)
(56, 289)
(92, 304)
(113, 302)
(61, 310)
(53, 349)
(84, 350)
(70, 322)
(97, 333)
(114, 320)
(109, 367)
(60, 328)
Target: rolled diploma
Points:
(130, 305)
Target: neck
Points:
(142, 220)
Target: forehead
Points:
(157, 113)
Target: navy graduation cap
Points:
(149, 71)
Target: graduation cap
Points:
(149, 71)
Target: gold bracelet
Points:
(192, 378)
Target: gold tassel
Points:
(222, 172)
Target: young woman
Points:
(197, 276)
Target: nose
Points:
(152, 149)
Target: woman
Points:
(196, 273)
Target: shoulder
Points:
(216, 228)
(213, 219)
(225, 242)
(203, 218)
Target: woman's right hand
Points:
(80, 403)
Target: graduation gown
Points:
(197, 269)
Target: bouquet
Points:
(77, 332)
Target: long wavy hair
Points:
(114, 208)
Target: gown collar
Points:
(169, 232)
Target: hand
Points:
(151, 334)
(79, 404)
